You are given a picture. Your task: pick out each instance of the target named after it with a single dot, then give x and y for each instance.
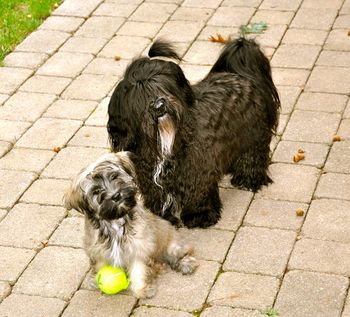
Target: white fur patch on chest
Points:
(116, 248)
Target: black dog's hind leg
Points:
(249, 170)
(206, 214)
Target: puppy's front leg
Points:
(140, 280)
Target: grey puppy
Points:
(119, 230)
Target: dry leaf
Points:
(300, 212)
(117, 58)
(219, 39)
(56, 149)
(337, 138)
(301, 151)
(298, 157)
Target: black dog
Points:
(185, 138)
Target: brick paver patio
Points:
(54, 91)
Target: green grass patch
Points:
(20, 17)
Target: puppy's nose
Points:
(159, 107)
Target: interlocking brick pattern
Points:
(54, 92)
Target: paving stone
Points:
(205, 53)
(57, 65)
(235, 204)
(283, 5)
(25, 59)
(31, 306)
(344, 129)
(169, 294)
(346, 113)
(223, 311)
(43, 41)
(202, 4)
(342, 22)
(304, 36)
(244, 290)
(11, 78)
(346, 311)
(70, 109)
(195, 73)
(107, 66)
(11, 131)
(26, 160)
(61, 272)
(71, 160)
(321, 102)
(290, 182)
(24, 106)
(115, 9)
(315, 154)
(180, 31)
(295, 56)
(260, 251)
(3, 213)
(334, 58)
(91, 136)
(321, 126)
(32, 224)
(5, 290)
(333, 185)
(124, 46)
(321, 256)
(45, 84)
(13, 263)
(93, 304)
(213, 30)
(209, 244)
(145, 29)
(274, 214)
(84, 45)
(70, 233)
(227, 16)
(328, 4)
(100, 116)
(47, 133)
(304, 294)
(290, 76)
(153, 12)
(282, 122)
(12, 185)
(97, 27)
(272, 17)
(311, 18)
(338, 40)
(338, 161)
(345, 8)
(288, 97)
(77, 8)
(329, 79)
(145, 311)
(192, 14)
(90, 87)
(46, 191)
(62, 23)
(3, 98)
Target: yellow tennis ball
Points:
(111, 280)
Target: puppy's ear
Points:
(72, 199)
(125, 159)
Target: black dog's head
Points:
(105, 190)
(148, 104)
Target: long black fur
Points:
(224, 124)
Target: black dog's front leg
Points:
(206, 213)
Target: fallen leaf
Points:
(337, 138)
(56, 149)
(219, 39)
(256, 28)
(117, 58)
(300, 212)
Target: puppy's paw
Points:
(147, 291)
(187, 265)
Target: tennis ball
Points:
(111, 280)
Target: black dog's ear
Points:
(163, 49)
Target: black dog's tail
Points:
(162, 48)
(244, 57)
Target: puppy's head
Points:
(148, 105)
(105, 190)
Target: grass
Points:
(18, 18)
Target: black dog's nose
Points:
(159, 107)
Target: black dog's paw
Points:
(203, 219)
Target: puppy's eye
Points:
(96, 191)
